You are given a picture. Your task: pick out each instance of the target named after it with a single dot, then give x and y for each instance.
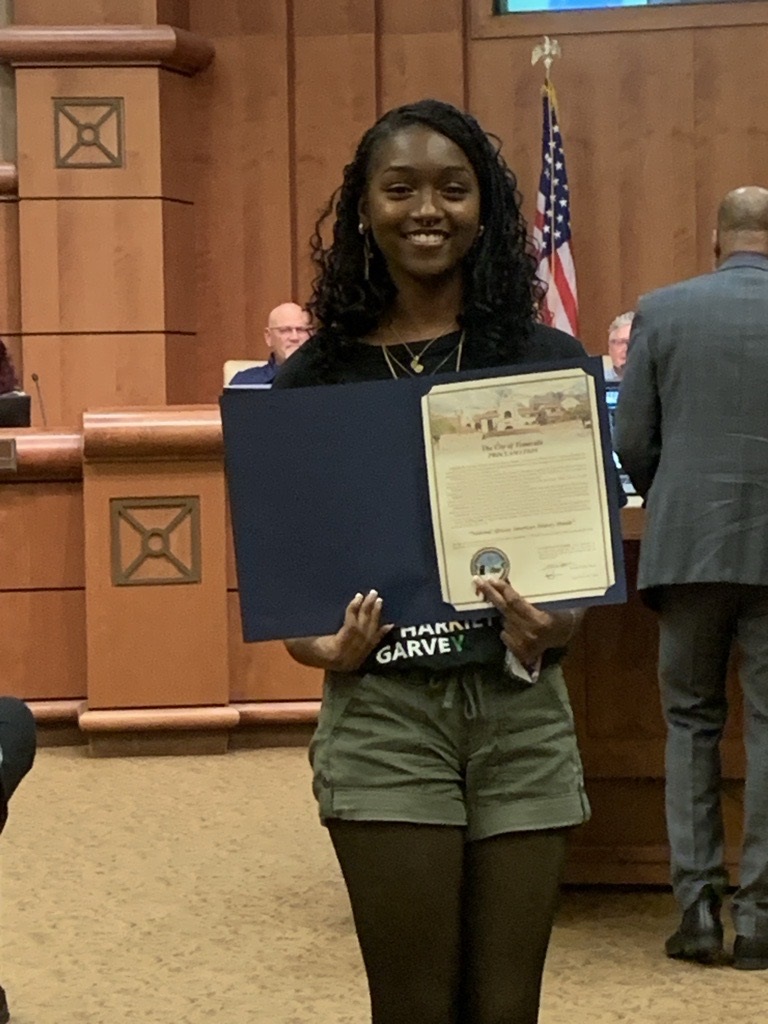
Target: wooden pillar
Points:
(104, 116)
(10, 312)
(156, 585)
(10, 297)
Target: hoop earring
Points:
(367, 251)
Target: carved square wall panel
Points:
(89, 131)
(155, 541)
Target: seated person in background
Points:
(8, 379)
(287, 329)
(17, 752)
(618, 339)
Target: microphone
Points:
(36, 379)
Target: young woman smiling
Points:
(447, 784)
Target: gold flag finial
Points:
(546, 51)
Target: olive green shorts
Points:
(474, 748)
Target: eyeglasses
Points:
(286, 332)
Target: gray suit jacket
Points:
(692, 426)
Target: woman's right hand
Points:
(346, 650)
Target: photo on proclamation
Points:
(517, 486)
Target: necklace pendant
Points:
(416, 366)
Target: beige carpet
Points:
(200, 890)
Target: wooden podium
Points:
(155, 573)
(117, 573)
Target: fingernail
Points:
(358, 597)
(379, 601)
(374, 593)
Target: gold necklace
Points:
(417, 364)
(459, 350)
(392, 361)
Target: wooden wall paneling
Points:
(334, 103)
(87, 371)
(92, 266)
(265, 671)
(621, 847)
(625, 842)
(182, 352)
(622, 646)
(231, 565)
(98, 12)
(626, 112)
(505, 97)
(115, 252)
(171, 646)
(42, 644)
(238, 18)
(178, 258)
(41, 536)
(731, 92)
(10, 289)
(173, 12)
(241, 171)
(575, 671)
(421, 52)
(177, 112)
(138, 88)
(631, 169)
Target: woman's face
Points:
(422, 204)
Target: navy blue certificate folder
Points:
(329, 496)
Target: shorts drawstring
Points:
(471, 690)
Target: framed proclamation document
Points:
(517, 486)
(413, 487)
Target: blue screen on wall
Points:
(519, 6)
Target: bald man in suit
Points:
(692, 433)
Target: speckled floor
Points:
(199, 890)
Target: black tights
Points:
(451, 932)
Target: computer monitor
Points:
(15, 410)
(611, 400)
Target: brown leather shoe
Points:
(700, 935)
(750, 953)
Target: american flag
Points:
(552, 227)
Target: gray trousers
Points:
(698, 625)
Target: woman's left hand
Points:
(528, 631)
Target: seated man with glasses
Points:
(618, 343)
(287, 329)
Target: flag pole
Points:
(548, 51)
